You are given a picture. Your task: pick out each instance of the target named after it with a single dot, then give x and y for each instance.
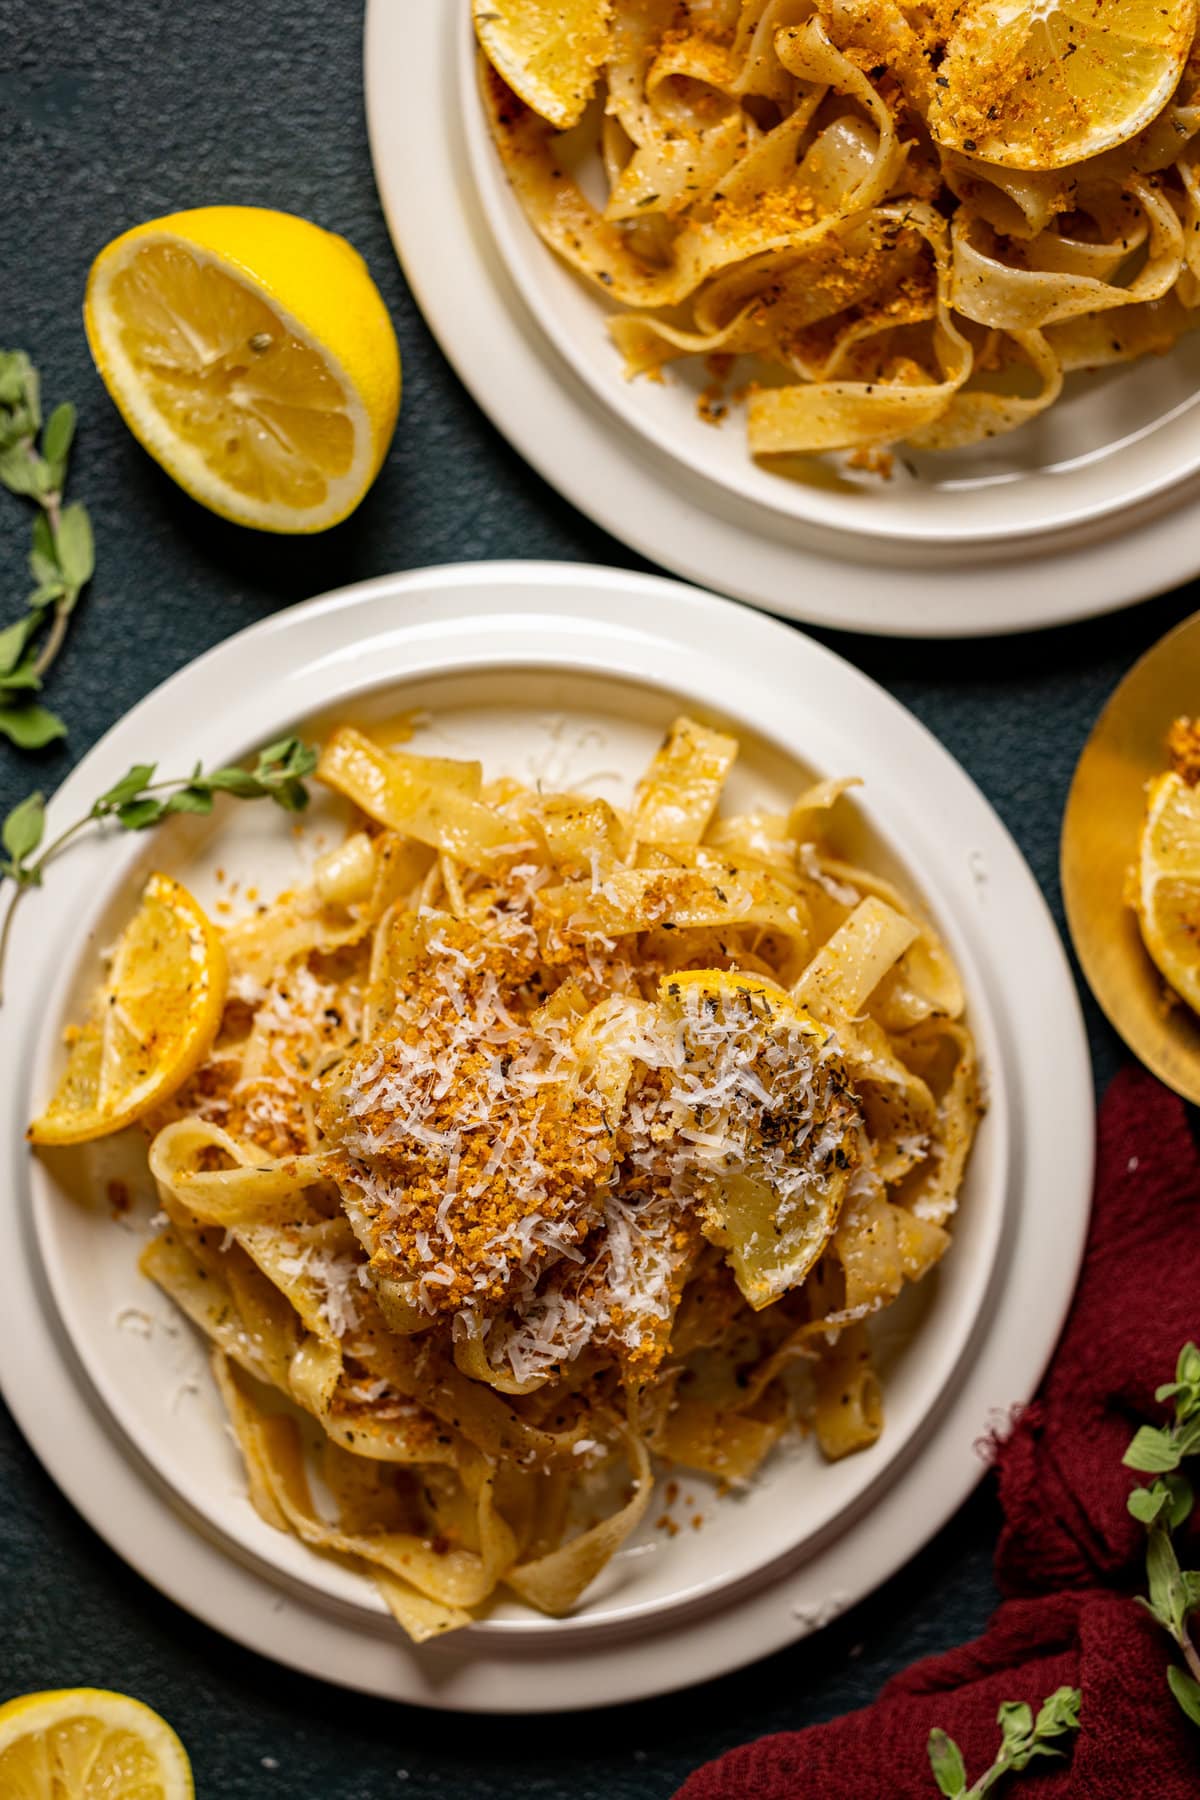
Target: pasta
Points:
(543, 1138)
(795, 183)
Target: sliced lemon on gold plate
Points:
(1131, 862)
(1167, 884)
(153, 1021)
(89, 1744)
(251, 354)
(1041, 84)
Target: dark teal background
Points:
(109, 114)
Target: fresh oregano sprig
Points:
(61, 560)
(1022, 1738)
(1164, 1506)
(138, 801)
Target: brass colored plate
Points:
(1103, 819)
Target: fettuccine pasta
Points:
(898, 228)
(543, 1138)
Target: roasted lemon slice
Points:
(1167, 883)
(764, 1104)
(154, 1020)
(89, 1744)
(252, 355)
(1040, 84)
(548, 51)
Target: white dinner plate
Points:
(1091, 511)
(567, 674)
(1112, 441)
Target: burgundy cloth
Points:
(1069, 1557)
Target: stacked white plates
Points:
(1089, 508)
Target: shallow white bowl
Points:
(569, 673)
(1112, 441)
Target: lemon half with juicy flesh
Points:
(152, 1024)
(1167, 884)
(1042, 84)
(89, 1744)
(251, 354)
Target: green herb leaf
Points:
(1185, 1389)
(49, 593)
(43, 558)
(136, 815)
(1168, 1595)
(238, 782)
(13, 640)
(1059, 1712)
(1186, 1690)
(1146, 1503)
(289, 758)
(30, 727)
(129, 786)
(76, 553)
(1152, 1451)
(59, 433)
(1180, 1498)
(949, 1770)
(23, 828)
(22, 471)
(12, 378)
(293, 797)
(32, 384)
(1015, 1720)
(190, 800)
(1191, 1590)
(18, 683)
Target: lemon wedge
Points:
(764, 1096)
(89, 1744)
(251, 354)
(548, 51)
(1041, 84)
(1167, 883)
(154, 1021)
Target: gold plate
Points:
(1101, 825)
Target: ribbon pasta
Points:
(776, 191)
(542, 1138)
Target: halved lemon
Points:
(1167, 883)
(762, 1093)
(548, 51)
(153, 1022)
(1041, 84)
(251, 354)
(89, 1744)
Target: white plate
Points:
(592, 661)
(1111, 442)
(697, 526)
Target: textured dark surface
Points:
(108, 115)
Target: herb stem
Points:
(1191, 1655)
(55, 639)
(33, 879)
(5, 933)
(278, 774)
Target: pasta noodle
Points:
(542, 1138)
(793, 182)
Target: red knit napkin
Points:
(1069, 1554)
